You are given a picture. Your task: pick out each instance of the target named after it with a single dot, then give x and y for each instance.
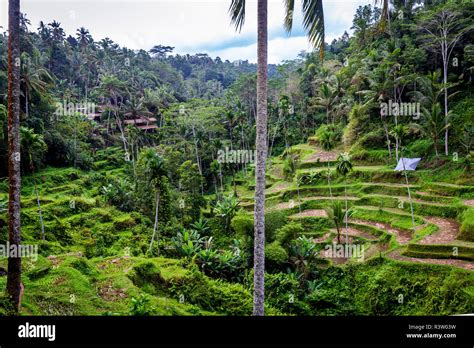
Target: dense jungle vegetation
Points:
(155, 220)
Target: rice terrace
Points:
(232, 169)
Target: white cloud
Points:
(189, 25)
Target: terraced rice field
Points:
(381, 212)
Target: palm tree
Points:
(113, 88)
(398, 132)
(344, 166)
(337, 214)
(83, 37)
(34, 77)
(14, 284)
(313, 21)
(326, 99)
(154, 170)
(32, 143)
(433, 125)
(57, 32)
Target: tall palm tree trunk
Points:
(14, 285)
(261, 144)
(157, 207)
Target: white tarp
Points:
(407, 164)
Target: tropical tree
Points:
(338, 215)
(14, 284)
(325, 99)
(344, 166)
(34, 77)
(313, 21)
(152, 169)
(433, 124)
(226, 210)
(443, 30)
(83, 37)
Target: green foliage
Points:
(141, 306)
(187, 243)
(118, 194)
(224, 264)
(344, 164)
(287, 233)
(242, 224)
(274, 220)
(282, 291)
(226, 210)
(276, 256)
(302, 254)
(327, 136)
(467, 225)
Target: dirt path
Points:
(354, 232)
(403, 237)
(311, 213)
(322, 238)
(447, 231)
(449, 262)
(469, 202)
(279, 187)
(322, 156)
(333, 198)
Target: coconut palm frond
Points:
(313, 22)
(237, 13)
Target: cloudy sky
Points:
(191, 26)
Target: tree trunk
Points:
(26, 103)
(329, 181)
(345, 215)
(14, 284)
(261, 145)
(156, 220)
(445, 80)
(387, 137)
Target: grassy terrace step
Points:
(369, 173)
(290, 190)
(352, 189)
(447, 189)
(427, 196)
(442, 251)
(381, 235)
(354, 168)
(316, 164)
(398, 255)
(394, 217)
(419, 206)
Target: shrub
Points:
(242, 224)
(141, 306)
(124, 223)
(212, 295)
(289, 232)
(273, 221)
(276, 256)
(420, 148)
(282, 292)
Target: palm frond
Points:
(289, 11)
(313, 22)
(237, 13)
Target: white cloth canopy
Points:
(407, 164)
